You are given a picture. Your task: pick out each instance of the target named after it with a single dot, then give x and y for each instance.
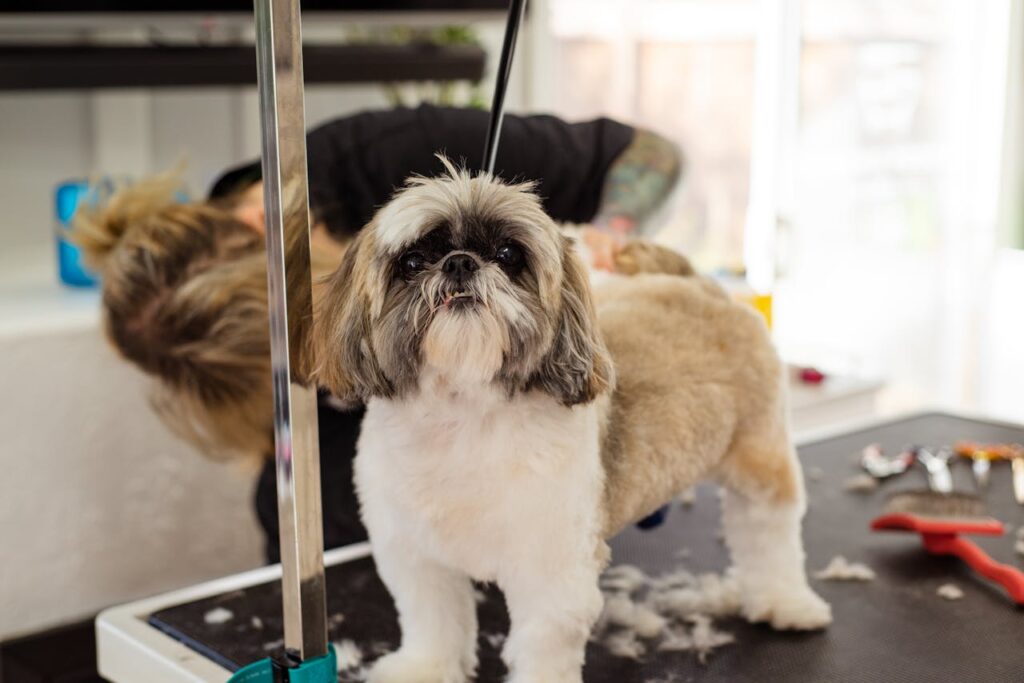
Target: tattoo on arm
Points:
(638, 182)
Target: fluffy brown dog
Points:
(497, 445)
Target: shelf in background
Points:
(206, 7)
(55, 67)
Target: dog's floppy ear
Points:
(346, 364)
(577, 368)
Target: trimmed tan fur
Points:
(699, 390)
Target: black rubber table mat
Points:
(894, 629)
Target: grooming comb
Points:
(983, 453)
(940, 518)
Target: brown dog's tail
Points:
(647, 257)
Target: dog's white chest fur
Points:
(479, 481)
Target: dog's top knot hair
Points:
(458, 191)
(450, 167)
(461, 174)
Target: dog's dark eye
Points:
(411, 263)
(510, 255)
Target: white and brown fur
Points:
(507, 438)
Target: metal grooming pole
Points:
(279, 69)
(516, 9)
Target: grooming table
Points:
(893, 629)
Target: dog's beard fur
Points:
(464, 346)
(469, 343)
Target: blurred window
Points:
(685, 70)
(875, 131)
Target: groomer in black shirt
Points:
(600, 173)
(604, 175)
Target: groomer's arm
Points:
(637, 184)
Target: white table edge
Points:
(128, 649)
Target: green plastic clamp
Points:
(320, 670)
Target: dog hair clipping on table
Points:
(349, 655)
(841, 569)
(623, 577)
(625, 644)
(218, 615)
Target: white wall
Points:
(44, 139)
(99, 503)
(1000, 367)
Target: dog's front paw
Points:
(401, 667)
(797, 609)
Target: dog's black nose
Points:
(459, 266)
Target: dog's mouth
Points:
(459, 299)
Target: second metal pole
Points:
(516, 10)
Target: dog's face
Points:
(466, 278)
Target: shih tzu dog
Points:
(512, 425)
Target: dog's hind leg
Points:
(763, 507)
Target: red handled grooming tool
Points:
(940, 518)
